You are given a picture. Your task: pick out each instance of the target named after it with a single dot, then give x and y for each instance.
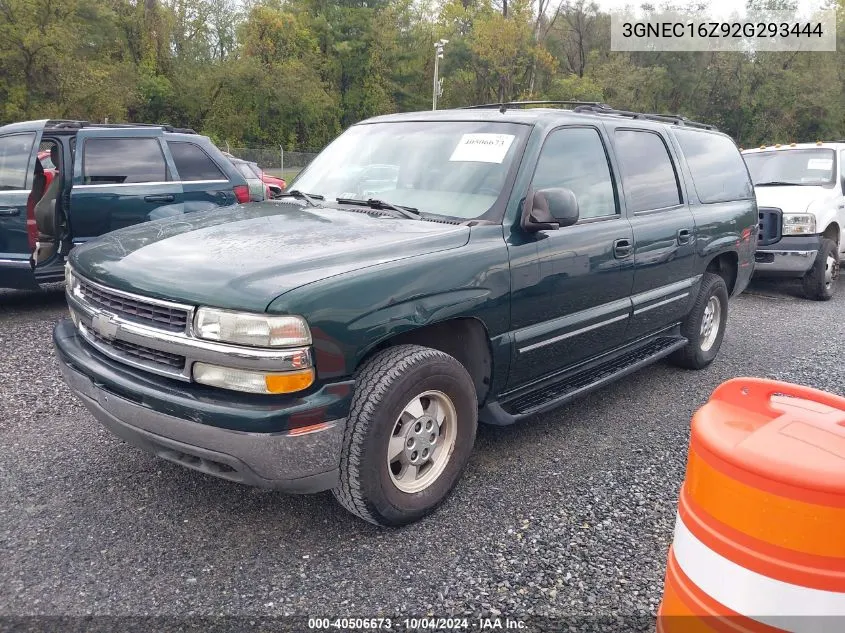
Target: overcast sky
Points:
(718, 7)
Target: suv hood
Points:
(245, 257)
(792, 199)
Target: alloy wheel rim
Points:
(422, 441)
(710, 323)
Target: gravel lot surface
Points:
(568, 514)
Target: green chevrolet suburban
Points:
(425, 272)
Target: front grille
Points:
(140, 352)
(769, 228)
(162, 317)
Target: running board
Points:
(573, 385)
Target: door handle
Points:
(162, 197)
(9, 211)
(684, 236)
(622, 248)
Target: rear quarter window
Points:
(193, 163)
(718, 171)
(123, 161)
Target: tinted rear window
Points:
(193, 163)
(123, 160)
(648, 175)
(718, 171)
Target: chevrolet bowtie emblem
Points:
(105, 326)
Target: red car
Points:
(276, 185)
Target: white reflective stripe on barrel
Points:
(779, 604)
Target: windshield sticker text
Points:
(482, 148)
(820, 163)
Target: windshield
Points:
(791, 166)
(448, 168)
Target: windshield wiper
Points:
(782, 183)
(301, 195)
(383, 205)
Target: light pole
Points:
(438, 55)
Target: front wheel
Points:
(820, 281)
(408, 436)
(704, 326)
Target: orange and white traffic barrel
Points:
(759, 539)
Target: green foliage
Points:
(296, 72)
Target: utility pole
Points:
(438, 83)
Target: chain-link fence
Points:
(273, 160)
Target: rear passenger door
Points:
(120, 177)
(204, 185)
(664, 229)
(17, 155)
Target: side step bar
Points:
(573, 385)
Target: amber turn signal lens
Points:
(289, 382)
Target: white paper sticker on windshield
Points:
(482, 148)
(820, 163)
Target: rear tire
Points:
(820, 281)
(704, 326)
(408, 436)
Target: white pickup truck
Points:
(800, 190)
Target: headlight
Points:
(256, 330)
(253, 381)
(70, 280)
(799, 224)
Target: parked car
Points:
(258, 191)
(521, 259)
(800, 192)
(116, 176)
(276, 185)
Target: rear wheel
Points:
(820, 281)
(408, 436)
(704, 326)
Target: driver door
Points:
(571, 297)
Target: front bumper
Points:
(157, 420)
(791, 256)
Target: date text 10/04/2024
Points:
(415, 624)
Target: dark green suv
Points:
(426, 271)
(63, 183)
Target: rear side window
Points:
(648, 175)
(193, 163)
(123, 161)
(15, 150)
(718, 171)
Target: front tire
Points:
(820, 281)
(408, 436)
(704, 326)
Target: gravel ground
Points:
(569, 514)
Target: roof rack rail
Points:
(62, 124)
(596, 107)
(675, 119)
(504, 106)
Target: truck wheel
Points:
(820, 281)
(704, 326)
(408, 436)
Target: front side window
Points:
(574, 158)
(123, 161)
(15, 150)
(809, 167)
(648, 175)
(192, 163)
(718, 172)
(456, 169)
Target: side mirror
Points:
(549, 210)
